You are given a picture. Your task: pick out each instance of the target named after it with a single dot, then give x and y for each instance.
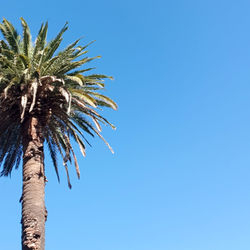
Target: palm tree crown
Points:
(38, 81)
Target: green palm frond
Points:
(54, 44)
(26, 38)
(52, 150)
(10, 35)
(40, 42)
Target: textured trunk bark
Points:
(34, 213)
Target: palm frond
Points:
(54, 44)
(26, 38)
(52, 150)
(11, 35)
(39, 45)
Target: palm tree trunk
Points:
(33, 206)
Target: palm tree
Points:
(44, 97)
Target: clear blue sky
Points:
(180, 175)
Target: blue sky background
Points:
(180, 175)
